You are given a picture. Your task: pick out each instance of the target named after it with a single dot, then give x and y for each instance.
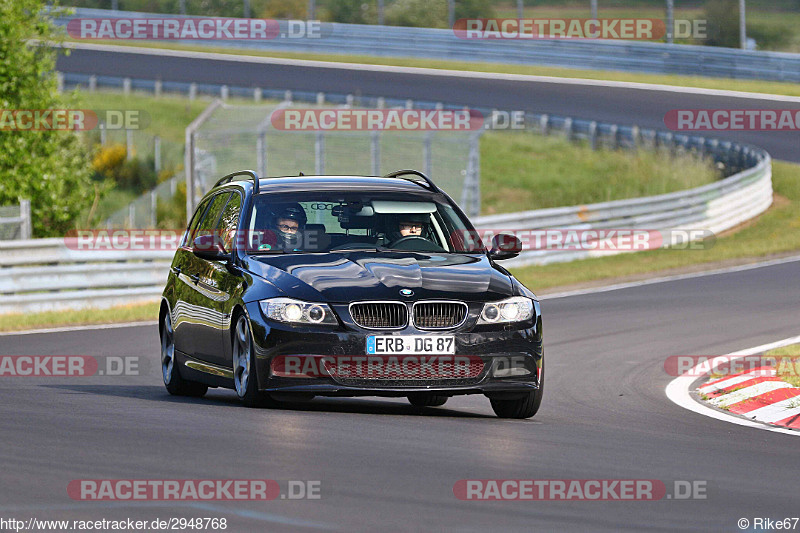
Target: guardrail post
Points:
(319, 154)
(635, 137)
(375, 152)
(320, 98)
(568, 128)
(92, 83)
(131, 215)
(593, 134)
(126, 86)
(223, 92)
(157, 88)
(614, 136)
(60, 81)
(287, 96)
(157, 154)
(348, 101)
(102, 134)
(26, 227)
(544, 124)
(257, 94)
(380, 103)
(192, 91)
(409, 104)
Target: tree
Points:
(50, 168)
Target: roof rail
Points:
(251, 175)
(408, 172)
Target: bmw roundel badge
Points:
(406, 292)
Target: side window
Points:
(191, 230)
(209, 222)
(229, 222)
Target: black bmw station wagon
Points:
(288, 288)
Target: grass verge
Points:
(755, 86)
(522, 171)
(80, 317)
(788, 369)
(775, 231)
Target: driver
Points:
(409, 225)
(288, 225)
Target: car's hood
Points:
(346, 277)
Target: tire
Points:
(170, 370)
(523, 407)
(426, 400)
(245, 381)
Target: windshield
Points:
(316, 223)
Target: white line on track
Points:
(80, 328)
(678, 391)
(165, 52)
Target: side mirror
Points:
(505, 246)
(208, 247)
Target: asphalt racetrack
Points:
(384, 465)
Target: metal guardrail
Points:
(47, 275)
(628, 56)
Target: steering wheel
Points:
(417, 243)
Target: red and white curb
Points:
(759, 398)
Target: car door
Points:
(184, 289)
(221, 282)
(200, 321)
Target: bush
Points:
(723, 23)
(418, 13)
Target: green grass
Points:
(756, 86)
(522, 171)
(169, 115)
(775, 231)
(788, 369)
(81, 317)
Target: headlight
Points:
(298, 312)
(516, 309)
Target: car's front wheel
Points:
(170, 370)
(244, 367)
(524, 407)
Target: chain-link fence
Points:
(236, 137)
(15, 221)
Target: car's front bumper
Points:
(492, 348)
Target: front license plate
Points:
(410, 344)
